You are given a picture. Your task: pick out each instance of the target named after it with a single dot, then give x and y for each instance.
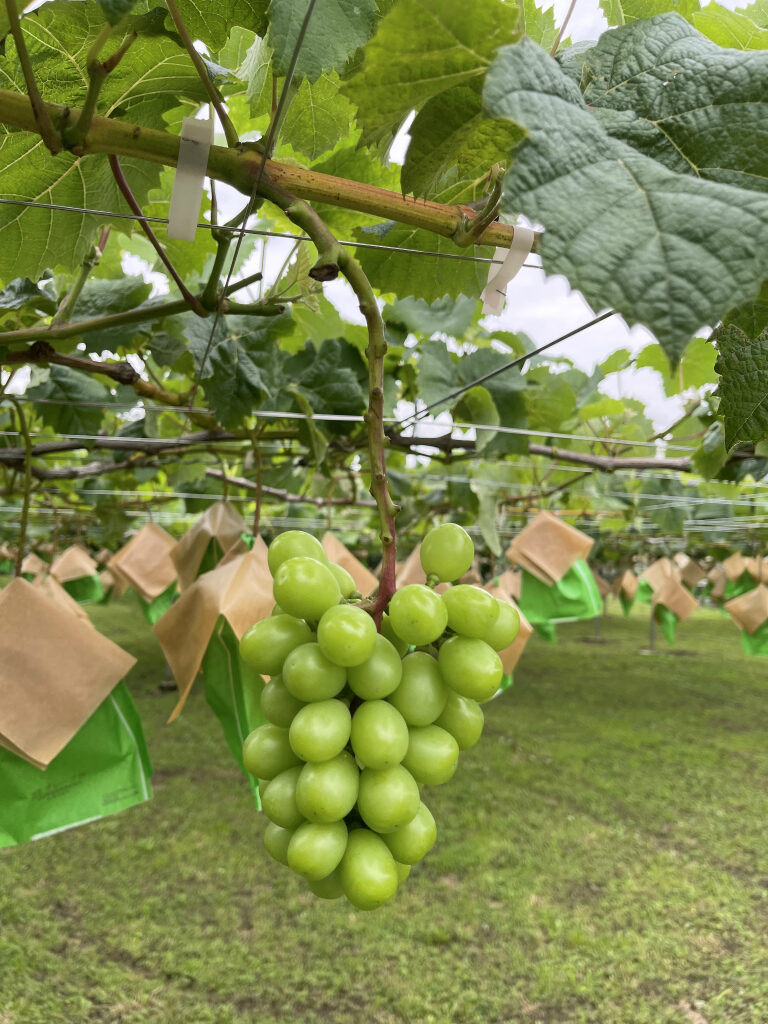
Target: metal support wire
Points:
(204, 225)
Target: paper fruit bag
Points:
(625, 588)
(6, 560)
(145, 565)
(202, 631)
(32, 566)
(672, 603)
(656, 576)
(206, 542)
(78, 573)
(750, 613)
(72, 748)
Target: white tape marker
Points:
(495, 291)
(184, 212)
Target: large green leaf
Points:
(695, 369)
(734, 29)
(450, 131)
(669, 250)
(336, 29)
(751, 317)
(624, 12)
(64, 389)
(683, 100)
(539, 24)
(446, 316)
(422, 48)
(743, 367)
(212, 20)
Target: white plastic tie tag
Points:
(187, 194)
(495, 292)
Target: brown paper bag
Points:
(364, 579)
(145, 562)
(757, 569)
(547, 548)
(735, 565)
(33, 564)
(511, 580)
(410, 571)
(221, 523)
(52, 589)
(718, 579)
(660, 572)
(104, 556)
(625, 584)
(511, 655)
(259, 550)
(749, 611)
(73, 564)
(241, 591)
(691, 572)
(603, 586)
(674, 596)
(55, 671)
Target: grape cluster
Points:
(358, 720)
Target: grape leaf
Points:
(709, 458)
(212, 20)
(624, 12)
(538, 24)
(752, 317)
(63, 388)
(743, 367)
(695, 369)
(450, 131)
(734, 29)
(668, 250)
(21, 292)
(116, 10)
(422, 48)
(446, 316)
(337, 28)
(689, 104)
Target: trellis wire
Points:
(205, 225)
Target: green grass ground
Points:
(602, 859)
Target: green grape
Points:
(388, 797)
(412, 841)
(267, 752)
(470, 667)
(309, 676)
(368, 871)
(422, 694)
(327, 791)
(328, 888)
(316, 849)
(463, 719)
(277, 610)
(380, 674)
(320, 730)
(278, 705)
(276, 840)
(379, 734)
(505, 628)
(267, 644)
(347, 635)
(278, 801)
(346, 583)
(432, 756)
(294, 544)
(447, 552)
(471, 610)
(403, 870)
(400, 645)
(305, 588)
(417, 614)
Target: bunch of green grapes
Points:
(359, 720)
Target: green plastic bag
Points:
(155, 609)
(571, 599)
(756, 643)
(85, 590)
(6, 567)
(735, 588)
(626, 604)
(668, 621)
(232, 690)
(507, 681)
(644, 592)
(103, 769)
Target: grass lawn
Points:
(602, 858)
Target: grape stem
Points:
(333, 259)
